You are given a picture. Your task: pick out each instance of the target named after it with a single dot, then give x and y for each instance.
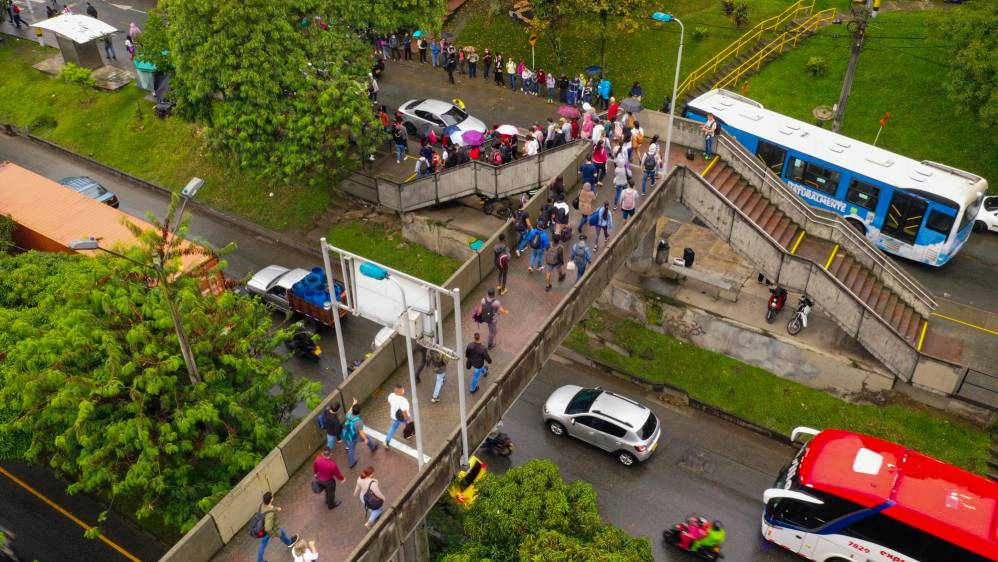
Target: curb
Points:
(676, 393)
(242, 224)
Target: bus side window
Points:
(938, 549)
(793, 512)
(863, 195)
(772, 155)
(890, 533)
(940, 222)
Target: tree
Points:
(92, 371)
(628, 16)
(281, 96)
(7, 227)
(531, 513)
(972, 80)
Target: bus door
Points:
(904, 216)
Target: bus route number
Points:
(892, 557)
(860, 547)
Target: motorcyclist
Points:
(694, 530)
(714, 538)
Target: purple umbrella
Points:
(568, 111)
(472, 138)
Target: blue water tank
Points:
(298, 289)
(317, 271)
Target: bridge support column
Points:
(416, 547)
(642, 259)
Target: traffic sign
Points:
(533, 39)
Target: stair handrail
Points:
(833, 221)
(734, 48)
(794, 34)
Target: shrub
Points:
(42, 122)
(76, 75)
(816, 66)
(728, 7)
(699, 33)
(740, 15)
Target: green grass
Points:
(768, 400)
(168, 152)
(647, 55)
(902, 76)
(388, 247)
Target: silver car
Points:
(602, 418)
(89, 187)
(422, 115)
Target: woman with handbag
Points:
(370, 495)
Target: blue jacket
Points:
(588, 171)
(604, 89)
(605, 217)
(545, 241)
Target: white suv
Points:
(987, 215)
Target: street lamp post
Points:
(373, 271)
(178, 326)
(187, 193)
(665, 18)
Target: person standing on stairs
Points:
(709, 131)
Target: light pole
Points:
(665, 18)
(178, 326)
(187, 193)
(379, 273)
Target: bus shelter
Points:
(77, 36)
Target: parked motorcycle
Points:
(777, 298)
(799, 321)
(303, 346)
(498, 443)
(710, 535)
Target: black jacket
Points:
(476, 356)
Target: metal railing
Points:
(753, 35)
(776, 46)
(843, 234)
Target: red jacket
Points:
(611, 112)
(326, 469)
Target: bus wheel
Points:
(979, 226)
(860, 227)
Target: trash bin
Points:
(145, 75)
(688, 255)
(662, 252)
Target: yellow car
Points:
(463, 489)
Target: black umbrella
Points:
(593, 70)
(632, 105)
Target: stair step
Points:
(717, 175)
(752, 204)
(904, 324)
(879, 294)
(736, 190)
(789, 235)
(854, 276)
(868, 284)
(914, 330)
(838, 262)
(772, 221)
(759, 210)
(886, 309)
(767, 212)
(745, 195)
(895, 318)
(781, 227)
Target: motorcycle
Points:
(674, 536)
(498, 443)
(799, 321)
(303, 346)
(777, 298)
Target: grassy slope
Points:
(647, 55)
(165, 151)
(773, 402)
(389, 248)
(902, 76)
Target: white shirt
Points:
(532, 146)
(597, 133)
(396, 403)
(308, 556)
(653, 148)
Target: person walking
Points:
(271, 526)
(401, 139)
(369, 492)
(330, 422)
(488, 313)
(450, 67)
(586, 199)
(521, 224)
(393, 47)
(603, 93)
(709, 130)
(398, 412)
(511, 72)
(91, 11)
(421, 47)
(499, 70)
(472, 64)
(353, 430)
(561, 214)
(130, 47)
(563, 89)
(109, 48)
(438, 362)
(628, 200)
(133, 31)
(501, 258)
(477, 358)
(603, 223)
(304, 552)
(434, 53)
(600, 156)
(407, 46)
(581, 256)
(486, 64)
(326, 473)
(539, 242)
(588, 171)
(554, 260)
(612, 109)
(651, 164)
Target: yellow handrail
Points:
(735, 48)
(776, 45)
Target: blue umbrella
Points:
(593, 70)
(450, 130)
(417, 33)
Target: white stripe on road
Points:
(396, 444)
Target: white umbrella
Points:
(507, 130)
(455, 137)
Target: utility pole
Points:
(861, 16)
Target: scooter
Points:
(673, 536)
(799, 321)
(301, 345)
(777, 298)
(498, 443)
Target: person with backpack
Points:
(554, 260)
(477, 358)
(709, 130)
(488, 313)
(521, 223)
(650, 163)
(588, 171)
(329, 421)
(602, 219)
(421, 47)
(501, 258)
(265, 524)
(438, 362)
(401, 139)
(398, 412)
(586, 199)
(353, 430)
(581, 256)
(326, 473)
(539, 242)
(621, 176)
(628, 200)
(561, 214)
(370, 495)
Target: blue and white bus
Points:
(922, 211)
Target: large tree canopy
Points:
(92, 371)
(530, 513)
(972, 81)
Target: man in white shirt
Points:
(552, 129)
(532, 146)
(597, 131)
(398, 412)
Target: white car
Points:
(422, 115)
(987, 215)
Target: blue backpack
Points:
(594, 218)
(349, 428)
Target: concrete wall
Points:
(436, 236)
(361, 185)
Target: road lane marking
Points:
(396, 444)
(68, 515)
(967, 324)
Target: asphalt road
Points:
(703, 465)
(968, 278)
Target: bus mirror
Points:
(774, 493)
(802, 430)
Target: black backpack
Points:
(257, 524)
(535, 240)
(521, 220)
(488, 311)
(561, 214)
